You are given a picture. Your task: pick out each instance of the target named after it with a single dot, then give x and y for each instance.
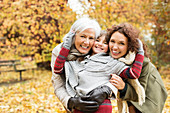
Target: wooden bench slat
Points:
(18, 70)
(9, 64)
(6, 61)
(7, 70)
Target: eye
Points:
(122, 43)
(97, 40)
(91, 38)
(112, 41)
(82, 36)
(105, 42)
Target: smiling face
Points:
(118, 45)
(100, 45)
(84, 40)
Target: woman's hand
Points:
(68, 40)
(117, 82)
(82, 104)
(99, 94)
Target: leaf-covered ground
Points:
(35, 93)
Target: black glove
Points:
(81, 103)
(99, 94)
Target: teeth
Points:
(84, 47)
(99, 48)
(115, 52)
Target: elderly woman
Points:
(86, 30)
(150, 78)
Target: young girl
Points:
(95, 70)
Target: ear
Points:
(129, 58)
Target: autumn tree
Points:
(109, 12)
(160, 23)
(33, 28)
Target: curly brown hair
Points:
(130, 32)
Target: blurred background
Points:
(30, 29)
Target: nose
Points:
(115, 46)
(100, 43)
(86, 41)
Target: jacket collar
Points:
(100, 57)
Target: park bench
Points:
(11, 63)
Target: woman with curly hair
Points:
(149, 78)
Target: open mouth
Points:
(115, 52)
(84, 47)
(99, 48)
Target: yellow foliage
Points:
(33, 23)
(36, 94)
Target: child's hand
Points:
(140, 49)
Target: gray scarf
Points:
(74, 54)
